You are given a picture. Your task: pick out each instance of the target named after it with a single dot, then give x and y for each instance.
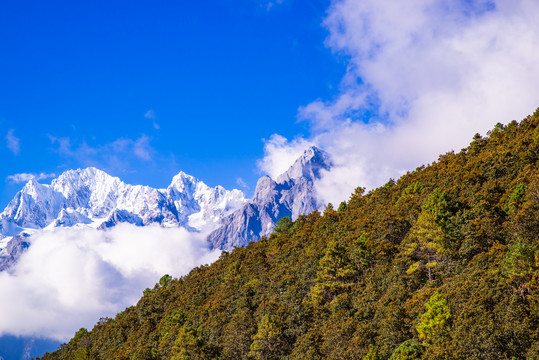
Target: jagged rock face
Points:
(307, 166)
(291, 195)
(11, 250)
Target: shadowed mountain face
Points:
(292, 194)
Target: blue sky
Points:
(146, 89)
(229, 90)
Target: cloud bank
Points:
(69, 278)
(423, 77)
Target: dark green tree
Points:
(334, 275)
(427, 239)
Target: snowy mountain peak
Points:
(308, 165)
(183, 177)
(33, 188)
(91, 196)
(183, 182)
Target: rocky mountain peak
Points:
(308, 166)
(291, 195)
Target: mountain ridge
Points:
(92, 198)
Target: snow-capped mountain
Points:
(91, 197)
(292, 194)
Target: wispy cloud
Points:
(142, 148)
(27, 349)
(69, 278)
(13, 142)
(150, 114)
(117, 155)
(423, 77)
(242, 184)
(271, 4)
(25, 177)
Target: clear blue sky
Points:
(145, 89)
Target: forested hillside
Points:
(442, 263)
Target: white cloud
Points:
(69, 278)
(150, 114)
(280, 154)
(423, 77)
(241, 183)
(13, 142)
(25, 177)
(142, 148)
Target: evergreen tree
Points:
(427, 238)
(187, 345)
(432, 323)
(335, 274)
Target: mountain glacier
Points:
(92, 198)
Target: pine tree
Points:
(427, 238)
(187, 344)
(335, 274)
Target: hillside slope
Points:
(442, 263)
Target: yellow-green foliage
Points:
(433, 322)
(354, 283)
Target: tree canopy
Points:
(441, 263)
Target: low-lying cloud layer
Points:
(69, 278)
(423, 77)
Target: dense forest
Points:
(442, 263)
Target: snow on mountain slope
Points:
(198, 204)
(91, 197)
(292, 194)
